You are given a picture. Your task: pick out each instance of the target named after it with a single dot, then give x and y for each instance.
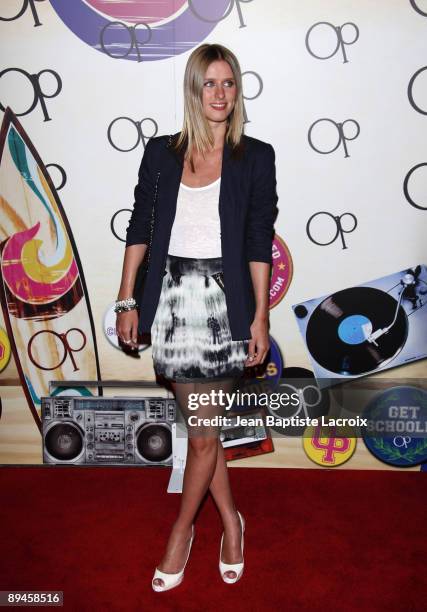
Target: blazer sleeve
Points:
(263, 209)
(138, 230)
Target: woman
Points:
(205, 299)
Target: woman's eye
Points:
(226, 83)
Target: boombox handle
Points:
(148, 384)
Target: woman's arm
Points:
(133, 257)
(259, 344)
(127, 321)
(260, 273)
(137, 238)
(138, 230)
(263, 209)
(259, 238)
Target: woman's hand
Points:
(127, 320)
(127, 328)
(259, 343)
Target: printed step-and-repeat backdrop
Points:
(340, 91)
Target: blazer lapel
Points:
(225, 191)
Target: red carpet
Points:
(315, 539)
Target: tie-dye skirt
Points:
(190, 335)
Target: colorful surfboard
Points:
(42, 288)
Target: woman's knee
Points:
(203, 445)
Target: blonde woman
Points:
(206, 294)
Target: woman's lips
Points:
(219, 106)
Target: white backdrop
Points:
(364, 83)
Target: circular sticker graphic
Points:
(396, 430)
(4, 349)
(306, 400)
(110, 319)
(325, 446)
(281, 271)
(139, 30)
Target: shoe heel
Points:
(171, 581)
(237, 568)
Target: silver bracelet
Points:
(118, 309)
(123, 305)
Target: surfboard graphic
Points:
(42, 288)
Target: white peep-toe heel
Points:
(171, 580)
(232, 567)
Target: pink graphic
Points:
(138, 10)
(49, 286)
(281, 272)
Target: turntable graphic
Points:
(364, 329)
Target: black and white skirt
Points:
(190, 335)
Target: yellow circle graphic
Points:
(328, 446)
(4, 349)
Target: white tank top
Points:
(196, 227)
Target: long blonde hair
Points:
(196, 133)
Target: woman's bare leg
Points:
(221, 492)
(199, 470)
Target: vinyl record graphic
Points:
(339, 329)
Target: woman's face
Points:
(219, 91)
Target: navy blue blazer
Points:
(247, 210)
